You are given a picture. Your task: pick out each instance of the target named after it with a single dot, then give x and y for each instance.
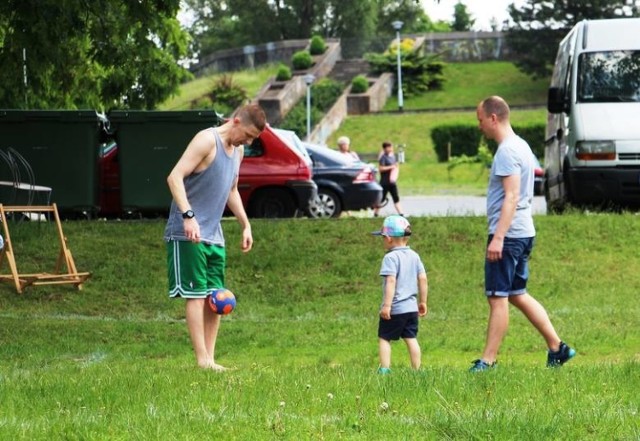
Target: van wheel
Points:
(326, 204)
(272, 203)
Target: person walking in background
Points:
(389, 170)
(511, 237)
(344, 146)
(202, 183)
(404, 278)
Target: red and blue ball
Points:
(221, 301)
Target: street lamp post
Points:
(397, 25)
(309, 79)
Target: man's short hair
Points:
(496, 105)
(252, 114)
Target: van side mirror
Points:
(556, 102)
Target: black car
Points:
(343, 184)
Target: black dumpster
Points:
(61, 147)
(149, 145)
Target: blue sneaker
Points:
(480, 365)
(384, 371)
(564, 354)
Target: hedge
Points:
(465, 139)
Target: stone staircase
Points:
(345, 70)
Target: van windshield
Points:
(609, 77)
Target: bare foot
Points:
(218, 367)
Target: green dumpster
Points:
(149, 145)
(61, 146)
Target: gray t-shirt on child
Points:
(405, 264)
(513, 157)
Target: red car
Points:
(275, 178)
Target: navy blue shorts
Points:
(399, 326)
(508, 276)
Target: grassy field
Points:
(468, 83)
(251, 80)
(113, 361)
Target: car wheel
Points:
(273, 203)
(326, 204)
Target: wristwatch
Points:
(189, 214)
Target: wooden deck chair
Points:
(65, 270)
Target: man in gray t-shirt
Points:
(511, 236)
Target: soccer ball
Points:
(222, 301)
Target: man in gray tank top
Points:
(511, 235)
(202, 183)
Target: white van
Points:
(592, 147)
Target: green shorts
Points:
(194, 268)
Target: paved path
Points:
(450, 206)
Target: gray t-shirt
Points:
(406, 265)
(513, 157)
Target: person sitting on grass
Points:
(404, 277)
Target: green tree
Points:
(234, 23)
(100, 54)
(546, 23)
(462, 20)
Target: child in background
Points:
(404, 277)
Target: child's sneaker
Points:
(480, 365)
(384, 371)
(564, 354)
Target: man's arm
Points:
(234, 202)
(511, 186)
(195, 153)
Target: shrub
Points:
(325, 92)
(301, 60)
(296, 120)
(284, 73)
(465, 140)
(317, 45)
(420, 73)
(226, 96)
(359, 84)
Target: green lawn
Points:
(251, 80)
(468, 83)
(113, 361)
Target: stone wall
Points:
(374, 99)
(279, 97)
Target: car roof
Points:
(328, 157)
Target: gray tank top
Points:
(207, 192)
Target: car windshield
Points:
(324, 156)
(609, 77)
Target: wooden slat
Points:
(65, 259)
